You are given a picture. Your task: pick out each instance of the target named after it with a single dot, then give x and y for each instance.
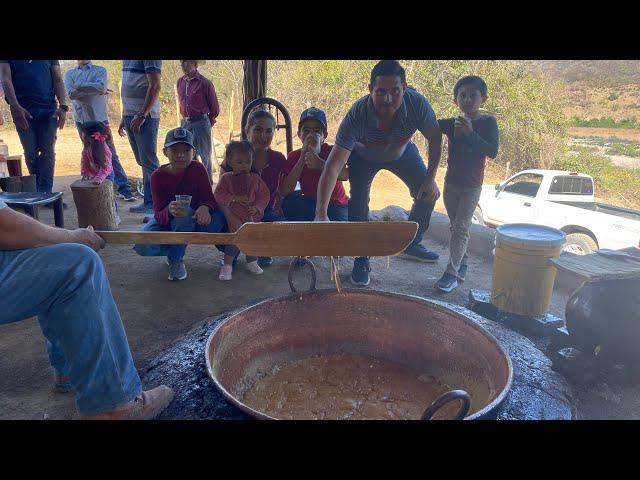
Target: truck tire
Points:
(477, 218)
(580, 244)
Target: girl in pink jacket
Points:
(242, 197)
(95, 163)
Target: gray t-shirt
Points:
(135, 85)
(360, 129)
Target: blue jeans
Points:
(39, 143)
(271, 216)
(144, 146)
(175, 253)
(66, 286)
(118, 176)
(201, 130)
(300, 208)
(409, 168)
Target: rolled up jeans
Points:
(144, 146)
(175, 253)
(460, 203)
(66, 287)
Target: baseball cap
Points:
(178, 135)
(315, 114)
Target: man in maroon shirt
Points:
(305, 165)
(199, 109)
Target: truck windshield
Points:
(571, 185)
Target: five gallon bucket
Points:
(523, 276)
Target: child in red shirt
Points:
(305, 165)
(242, 196)
(185, 177)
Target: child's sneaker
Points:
(177, 271)
(360, 272)
(225, 272)
(127, 197)
(462, 273)
(254, 268)
(146, 406)
(447, 282)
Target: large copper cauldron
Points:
(404, 329)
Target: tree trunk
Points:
(95, 204)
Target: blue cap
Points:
(315, 114)
(178, 135)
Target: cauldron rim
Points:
(446, 307)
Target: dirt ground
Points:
(156, 312)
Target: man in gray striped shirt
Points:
(374, 135)
(87, 86)
(141, 119)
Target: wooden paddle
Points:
(281, 239)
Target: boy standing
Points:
(472, 137)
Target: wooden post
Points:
(120, 92)
(95, 204)
(231, 105)
(175, 94)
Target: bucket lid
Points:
(530, 234)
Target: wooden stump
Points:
(95, 204)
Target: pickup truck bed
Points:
(607, 209)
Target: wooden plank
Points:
(292, 238)
(598, 267)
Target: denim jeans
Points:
(201, 130)
(39, 143)
(66, 286)
(175, 253)
(300, 208)
(271, 216)
(144, 146)
(118, 176)
(460, 203)
(409, 168)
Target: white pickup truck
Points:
(563, 200)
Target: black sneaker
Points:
(462, 273)
(447, 282)
(360, 272)
(265, 261)
(418, 252)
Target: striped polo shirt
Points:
(361, 132)
(135, 85)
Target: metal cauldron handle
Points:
(300, 262)
(445, 398)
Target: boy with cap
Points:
(305, 165)
(182, 200)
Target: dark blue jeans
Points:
(300, 208)
(409, 168)
(144, 146)
(118, 176)
(175, 253)
(39, 143)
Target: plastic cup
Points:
(184, 201)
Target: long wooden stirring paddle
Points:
(279, 239)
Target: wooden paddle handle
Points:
(168, 238)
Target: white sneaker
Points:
(254, 268)
(226, 272)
